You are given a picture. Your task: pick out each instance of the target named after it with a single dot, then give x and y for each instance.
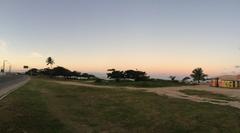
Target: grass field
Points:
(156, 83)
(208, 94)
(43, 107)
(125, 83)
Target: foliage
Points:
(185, 79)
(88, 76)
(128, 74)
(136, 75)
(117, 75)
(98, 80)
(172, 78)
(198, 75)
(33, 72)
(50, 61)
(59, 71)
(45, 71)
(75, 73)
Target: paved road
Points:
(5, 81)
(10, 83)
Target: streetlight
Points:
(3, 69)
(9, 67)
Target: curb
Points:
(14, 87)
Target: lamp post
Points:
(4, 62)
(10, 68)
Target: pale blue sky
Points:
(158, 36)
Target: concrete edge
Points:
(14, 87)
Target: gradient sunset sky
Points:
(161, 37)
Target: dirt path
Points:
(11, 86)
(175, 92)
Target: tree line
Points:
(197, 74)
(128, 74)
(58, 71)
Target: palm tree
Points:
(50, 61)
(185, 79)
(198, 75)
(172, 78)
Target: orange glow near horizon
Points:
(101, 66)
(159, 37)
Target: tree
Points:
(61, 71)
(45, 71)
(172, 78)
(136, 75)
(185, 79)
(88, 76)
(76, 74)
(198, 75)
(113, 74)
(33, 72)
(50, 61)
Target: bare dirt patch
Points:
(176, 93)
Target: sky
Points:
(161, 37)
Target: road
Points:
(10, 83)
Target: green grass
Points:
(43, 107)
(156, 83)
(208, 94)
(124, 83)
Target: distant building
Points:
(226, 81)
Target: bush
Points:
(98, 80)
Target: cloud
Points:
(36, 55)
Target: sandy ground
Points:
(12, 86)
(175, 92)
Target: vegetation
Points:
(149, 83)
(172, 78)
(135, 78)
(130, 77)
(59, 72)
(128, 74)
(50, 61)
(117, 75)
(198, 75)
(44, 107)
(208, 94)
(185, 79)
(136, 75)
